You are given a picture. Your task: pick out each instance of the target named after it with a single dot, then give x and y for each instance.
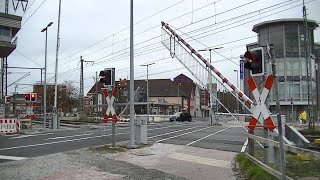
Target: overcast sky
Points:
(84, 23)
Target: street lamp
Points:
(45, 77)
(210, 83)
(236, 71)
(179, 84)
(148, 104)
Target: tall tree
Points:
(72, 100)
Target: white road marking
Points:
(207, 136)
(30, 135)
(57, 142)
(200, 160)
(14, 158)
(129, 127)
(182, 134)
(173, 132)
(70, 140)
(62, 137)
(244, 146)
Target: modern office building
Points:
(287, 37)
(9, 27)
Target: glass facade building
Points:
(287, 37)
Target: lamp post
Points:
(45, 77)
(237, 72)
(210, 84)
(148, 103)
(179, 84)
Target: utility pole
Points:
(81, 85)
(45, 78)
(308, 67)
(282, 154)
(132, 143)
(81, 94)
(148, 103)
(96, 93)
(56, 123)
(211, 113)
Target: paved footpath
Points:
(159, 161)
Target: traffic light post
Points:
(107, 78)
(254, 61)
(30, 99)
(7, 106)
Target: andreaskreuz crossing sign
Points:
(110, 102)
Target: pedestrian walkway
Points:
(159, 161)
(183, 161)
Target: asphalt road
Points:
(229, 137)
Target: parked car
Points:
(181, 116)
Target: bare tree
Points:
(72, 100)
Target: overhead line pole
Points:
(148, 103)
(81, 94)
(55, 114)
(132, 143)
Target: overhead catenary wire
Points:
(180, 28)
(140, 32)
(33, 13)
(124, 29)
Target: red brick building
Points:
(62, 96)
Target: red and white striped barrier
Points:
(9, 126)
(119, 120)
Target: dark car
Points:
(181, 116)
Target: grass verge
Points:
(296, 167)
(250, 170)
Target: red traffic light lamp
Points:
(249, 56)
(27, 97)
(33, 97)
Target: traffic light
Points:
(7, 99)
(255, 61)
(33, 97)
(107, 77)
(27, 97)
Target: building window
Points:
(293, 90)
(304, 90)
(282, 91)
(293, 67)
(291, 40)
(303, 67)
(5, 34)
(263, 36)
(276, 38)
(280, 68)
